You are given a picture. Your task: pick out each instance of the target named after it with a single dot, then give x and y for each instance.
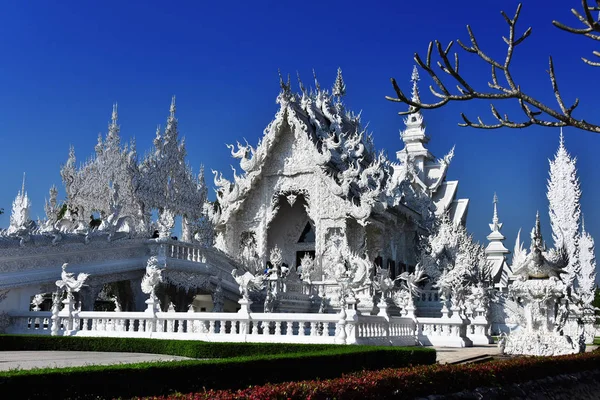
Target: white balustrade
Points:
(348, 327)
(446, 332)
(34, 322)
(184, 251)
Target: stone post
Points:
(352, 320)
(67, 312)
(153, 307)
(383, 307)
(55, 318)
(383, 312)
(244, 312)
(340, 338)
(444, 310)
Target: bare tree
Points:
(536, 112)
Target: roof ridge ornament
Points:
(339, 87)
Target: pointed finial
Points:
(495, 208)
(172, 108)
(414, 78)
(113, 127)
(538, 227)
(582, 223)
(23, 185)
(302, 88)
(495, 225)
(282, 84)
(562, 138)
(317, 85)
(115, 114)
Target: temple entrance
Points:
(292, 231)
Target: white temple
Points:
(316, 229)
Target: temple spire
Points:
(415, 88)
(113, 127)
(23, 185)
(414, 136)
(495, 252)
(339, 87)
(561, 140)
(172, 108)
(495, 226)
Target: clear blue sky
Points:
(65, 63)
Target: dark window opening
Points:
(308, 234)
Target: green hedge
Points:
(147, 379)
(183, 348)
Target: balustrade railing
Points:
(225, 327)
(35, 322)
(186, 252)
(347, 327)
(443, 331)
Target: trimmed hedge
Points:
(183, 348)
(408, 383)
(145, 379)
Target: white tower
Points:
(496, 252)
(430, 173)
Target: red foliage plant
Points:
(403, 383)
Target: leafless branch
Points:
(533, 109)
(591, 27)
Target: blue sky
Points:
(65, 64)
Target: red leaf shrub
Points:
(410, 382)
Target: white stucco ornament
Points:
(248, 282)
(543, 303)
(68, 281)
(152, 278)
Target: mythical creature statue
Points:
(38, 299)
(269, 304)
(152, 278)
(115, 222)
(537, 264)
(411, 281)
(117, 304)
(383, 283)
(248, 282)
(68, 281)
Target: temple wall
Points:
(19, 299)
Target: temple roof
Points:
(342, 149)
